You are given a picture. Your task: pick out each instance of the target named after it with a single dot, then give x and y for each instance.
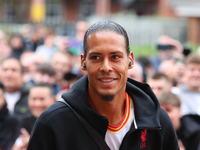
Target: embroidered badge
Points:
(143, 137)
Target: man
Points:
(46, 74)
(167, 48)
(136, 72)
(125, 114)
(189, 91)
(40, 98)
(187, 129)
(159, 83)
(61, 63)
(8, 124)
(48, 48)
(16, 92)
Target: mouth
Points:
(106, 80)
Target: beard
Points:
(107, 97)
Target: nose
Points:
(106, 66)
(37, 103)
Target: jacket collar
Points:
(146, 106)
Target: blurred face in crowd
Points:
(5, 49)
(159, 86)
(40, 98)
(44, 78)
(16, 42)
(81, 28)
(192, 76)
(11, 75)
(136, 73)
(174, 114)
(49, 40)
(61, 63)
(107, 64)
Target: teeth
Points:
(106, 80)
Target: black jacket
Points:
(59, 129)
(21, 107)
(189, 132)
(8, 129)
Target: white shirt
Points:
(114, 138)
(12, 99)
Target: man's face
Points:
(174, 114)
(107, 63)
(136, 73)
(192, 76)
(61, 64)
(11, 75)
(44, 78)
(40, 98)
(159, 86)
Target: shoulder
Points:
(55, 112)
(10, 119)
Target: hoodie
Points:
(59, 129)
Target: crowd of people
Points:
(37, 67)
(174, 76)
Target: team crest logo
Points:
(143, 137)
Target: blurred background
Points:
(144, 20)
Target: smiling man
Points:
(125, 114)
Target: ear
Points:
(131, 59)
(83, 65)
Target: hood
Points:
(145, 104)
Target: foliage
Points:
(143, 50)
(149, 50)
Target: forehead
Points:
(13, 63)
(193, 65)
(105, 38)
(39, 89)
(158, 82)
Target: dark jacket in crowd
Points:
(8, 129)
(27, 121)
(21, 107)
(189, 132)
(59, 129)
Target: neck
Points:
(114, 110)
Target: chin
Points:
(108, 97)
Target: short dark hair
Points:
(35, 85)
(192, 59)
(169, 98)
(159, 75)
(46, 68)
(11, 57)
(105, 25)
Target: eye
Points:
(115, 57)
(95, 57)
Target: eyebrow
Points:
(97, 53)
(116, 52)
